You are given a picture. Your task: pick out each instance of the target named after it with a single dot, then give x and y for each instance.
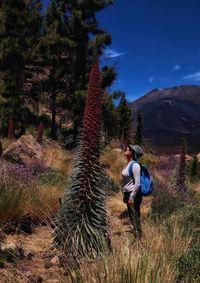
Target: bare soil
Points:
(38, 247)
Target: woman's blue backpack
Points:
(146, 180)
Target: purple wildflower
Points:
(20, 173)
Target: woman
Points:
(131, 187)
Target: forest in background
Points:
(45, 59)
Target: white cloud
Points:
(195, 77)
(151, 79)
(110, 53)
(176, 68)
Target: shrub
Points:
(112, 186)
(53, 177)
(181, 174)
(163, 205)
(148, 160)
(13, 200)
(20, 172)
(38, 167)
(164, 163)
(188, 219)
(188, 265)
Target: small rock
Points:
(47, 255)
(47, 264)
(124, 214)
(10, 246)
(28, 273)
(9, 252)
(55, 261)
(118, 233)
(29, 256)
(2, 236)
(24, 150)
(34, 279)
(9, 229)
(25, 225)
(2, 263)
(65, 273)
(21, 252)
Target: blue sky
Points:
(155, 43)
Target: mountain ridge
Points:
(170, 114)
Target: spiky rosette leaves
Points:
(81, 226)
(40, 133)
(11, 130)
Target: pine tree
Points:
(110, 118)
(138, 136)
(16, 39)
(180, 180)
(82, 24)
(55, 49)
(124, 119)
(81, 223)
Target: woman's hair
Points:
(133, 152)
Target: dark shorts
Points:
(126, 197)
(137, 199)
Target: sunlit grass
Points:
(115, 161)
(58, 158)
(152, 260)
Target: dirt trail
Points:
(38, 246)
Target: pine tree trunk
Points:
(53, 121)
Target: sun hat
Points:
(137, 150)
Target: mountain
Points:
(170, 114)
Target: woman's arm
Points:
(136, 174)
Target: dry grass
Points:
(115, 160)
(6, 143)
(151, 260)
(197, 187)
(54, 156)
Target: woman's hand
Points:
(130, 201)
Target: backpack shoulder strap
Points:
(130, 168)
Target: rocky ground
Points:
(37, 261)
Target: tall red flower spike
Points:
(11, 130)
(81, 225)
(40, 133)
(1, 149)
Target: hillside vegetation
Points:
(169, 248)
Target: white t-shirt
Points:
(131, 184)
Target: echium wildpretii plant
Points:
(40, 131)
(81, 226)
(11, 130)
(1, 149)
(181, 174)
